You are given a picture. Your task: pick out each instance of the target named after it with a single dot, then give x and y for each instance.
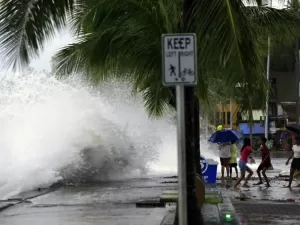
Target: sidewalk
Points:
(216, 210)
(106, 204)
(123, 203)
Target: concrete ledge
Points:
(25, 196)
(150, 203)
(7, 203)
(169, 217)
(210, 213)
(30, 194)
(227, 212)
(211, 197)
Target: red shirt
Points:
(245, 153)
(265, 154)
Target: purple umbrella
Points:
(227, 135)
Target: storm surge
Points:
(66, 130)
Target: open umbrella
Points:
(223, 136)
(293, 128)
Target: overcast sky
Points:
(43, 63)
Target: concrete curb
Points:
(4, 204)
(227, 213)
(24, 197)
(169, 217)
(150, 203)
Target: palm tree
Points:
(122, 39)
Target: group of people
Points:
(228, 159)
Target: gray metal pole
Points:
(182, 193)
(267, 100)
(268, 76)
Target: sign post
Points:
(179, 57)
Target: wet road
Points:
(261, 205)
(105, 204)
(114, 203)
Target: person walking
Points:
(295, 166)
(225, 156)
(244, 156)
(265, 163)
(233, 159)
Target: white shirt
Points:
(296, 150)
(224, 151)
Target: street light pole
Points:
(268, 76)
(267, 100)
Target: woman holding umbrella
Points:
(224, 138)
(225, 156)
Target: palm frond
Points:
(228, 46)
(122, 39)
(278, 24)
(24, 25)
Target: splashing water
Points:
(64, 129)
(47, 126)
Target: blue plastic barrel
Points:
(210, 174)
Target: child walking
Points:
(233, 159)
(265, 163)
(245, 155)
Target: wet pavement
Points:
(105, 204)
(114, 203)
(261, 205)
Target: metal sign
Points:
(203, 164)
(179, 69)
(179, 57)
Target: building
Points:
(283, 94)
(223, 115)
(240, 120)
(283, 82)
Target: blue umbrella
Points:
(223, 136)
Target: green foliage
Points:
(122, 39)
(26, 24)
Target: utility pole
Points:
(268, 76)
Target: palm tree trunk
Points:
(192, 156)
(197, 134)
(297, 81)
(251, 118)
(223, 115)
(194, 216)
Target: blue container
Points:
(210, 175)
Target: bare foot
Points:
(235, 187)
(246, 185)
